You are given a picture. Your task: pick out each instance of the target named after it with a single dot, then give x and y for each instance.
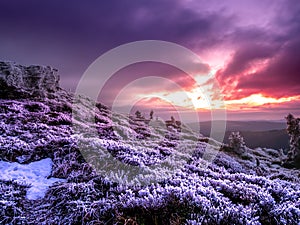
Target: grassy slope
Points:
(231, 190)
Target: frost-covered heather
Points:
(172, 187)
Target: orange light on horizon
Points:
(255, 100)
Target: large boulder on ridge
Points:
(18, 81)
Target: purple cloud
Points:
(278, 43)
(71, 36)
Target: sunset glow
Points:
(257, 100)
(196, 99)
(250, 50)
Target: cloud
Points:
(246, 57)
(262, 35)
(71, 36)
(268, 63)
(136, 72)
(281, 77)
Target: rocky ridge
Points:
(27, 81)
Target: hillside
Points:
(111, 169)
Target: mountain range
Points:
(268, 134)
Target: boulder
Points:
(18, 80)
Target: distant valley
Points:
(269, 134)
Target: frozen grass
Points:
(246, 188)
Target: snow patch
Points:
(34, 174)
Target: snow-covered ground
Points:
(34, 174)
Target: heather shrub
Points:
(237, 143)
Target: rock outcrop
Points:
(18, 81)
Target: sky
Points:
(250, 48)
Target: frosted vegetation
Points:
(237, 143)
(120, 171)
(293, 130)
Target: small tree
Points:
(138, 114)
(173, 119)
(151, 114)
(236, 141)
(293, 130)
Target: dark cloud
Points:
(278, 44)
(246, 56)
(281, 78)
(70, 35)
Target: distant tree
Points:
(151, 114)
(293, 130)
(236, 141)
(138, 114)
(173, 119)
